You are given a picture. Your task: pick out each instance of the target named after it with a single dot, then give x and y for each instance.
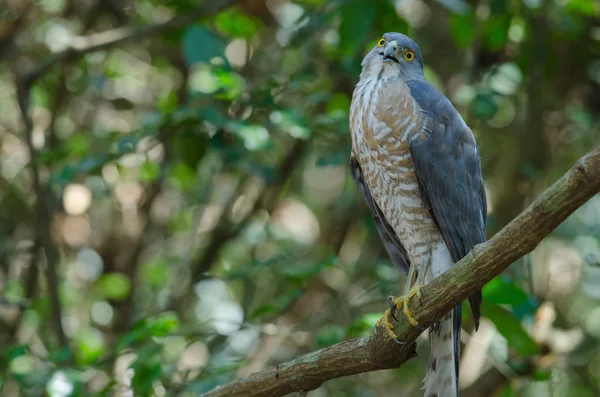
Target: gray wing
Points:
(448, 168)
(392, 244)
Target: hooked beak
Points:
(390, 51)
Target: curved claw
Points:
(393, 307)
(399, 341)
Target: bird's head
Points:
(394, 54)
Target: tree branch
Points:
(43, 216)
(101, 41)
(484, 262)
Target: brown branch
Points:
(483, 263)
(102, 41)
(43, 217)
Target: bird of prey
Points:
(416, 163)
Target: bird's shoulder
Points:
(431, 100)
(440, 114)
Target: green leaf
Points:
(387, 18)
(330, 335)
(126, 144)
(510, 327)
(115, 286)
(496, 32)
(331, 159)
(339, 103)
(583, 7)
(235, 23)
(90, 346)
(357, 19)
(147, 370)
(156, 273)
(278, 304)
(542, 374)
(502, 291)
(462, 29)
(362, 325)
(484, 107)
(149, 171)
(16, 351)
(163, 324)
(182, 176)
(299, 271)
(78, 144)
(201, 45)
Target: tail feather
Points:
(441, 379)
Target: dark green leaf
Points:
(502, 291)
(357, 18)
(462, 29)
(510, 327)
(201, 45)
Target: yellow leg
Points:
(395, 305)
(415, 290)
(386, 320)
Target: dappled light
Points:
(177, 211)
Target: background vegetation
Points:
(176, 211)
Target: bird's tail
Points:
(441, 379)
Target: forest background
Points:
(176, 210)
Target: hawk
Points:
(416, 163)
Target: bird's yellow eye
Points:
(409, 56)
(381, 42)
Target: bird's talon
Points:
(393, 307)
(399, 341)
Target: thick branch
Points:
(101, 41)
(483, 263)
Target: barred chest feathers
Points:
(383, 120)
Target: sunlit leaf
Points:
(156, 273)
(584, 7)
(363, 325)
(163, 324)
(234, 23)
(149, 171)
(90, 345)
(182, 176)
(114, 285)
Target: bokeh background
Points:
(176, 210)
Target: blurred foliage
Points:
(195, 207)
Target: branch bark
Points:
(484, 262)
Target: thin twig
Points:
(483, 263)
